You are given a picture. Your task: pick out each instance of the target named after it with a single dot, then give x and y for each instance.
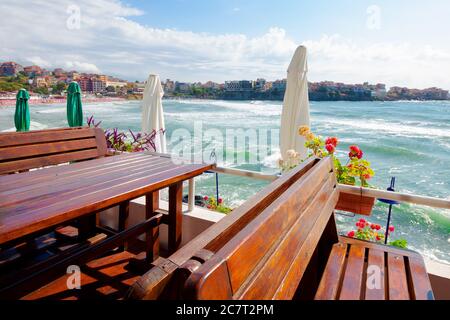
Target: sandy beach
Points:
(41, 101)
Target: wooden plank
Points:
(330, 282)
(71, 187)
(375, 288)
(215, 285)
(152, 236)
(254, 247)
(87, 226)
(45, 148)
(28, 270)
(175, 216)
(289, 285)
(376, 246)
(80, 257)
(58, 180)
(41, 136)
(100, 138)
(234, 222)
(106, 277)
(153, 284)
(280, 271)
(78, 190)
(247, 248)
(124, 213)
(397, 280)
(17, 165)
(101, 191)
(218, 234)
(77, 186)
(31, 218)
(418, 280)
(23, 151)
(352, 283)
(36, 176)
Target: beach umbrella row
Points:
(74, 108)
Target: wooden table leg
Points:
(124, 211)
(87, 227)
(175, 216)
(152, 236)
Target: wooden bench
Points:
(21, 151)
(284, 245)
(166, 279)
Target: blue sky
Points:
(397, 42)
(304, 19)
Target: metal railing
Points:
(379, 194)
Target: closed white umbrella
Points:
(152, 111)
(295, 106)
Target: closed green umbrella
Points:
(74, 106)
(22, 115)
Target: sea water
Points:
(408, 140)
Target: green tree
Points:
(59, 87)
(41, 90)
(110, 89)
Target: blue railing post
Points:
(217, 187)
(391, 204)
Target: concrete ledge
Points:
(439, 274)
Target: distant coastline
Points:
(49, 87)
(311, 98)
(10, 102)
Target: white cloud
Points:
(39, 62)
(109, 40)
(81, 66)
(333, 57)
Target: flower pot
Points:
(355, 203)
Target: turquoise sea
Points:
(408, 140)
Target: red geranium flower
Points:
(330, 148)
(205, 198)
(333, 141)
(220, 200)
(391, 228)
(377, 227)
(351, 234)
(355, 152)
(361, 225)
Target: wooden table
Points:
(35, 201)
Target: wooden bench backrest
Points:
(160, 280)
(34, 149)
(268, 257)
